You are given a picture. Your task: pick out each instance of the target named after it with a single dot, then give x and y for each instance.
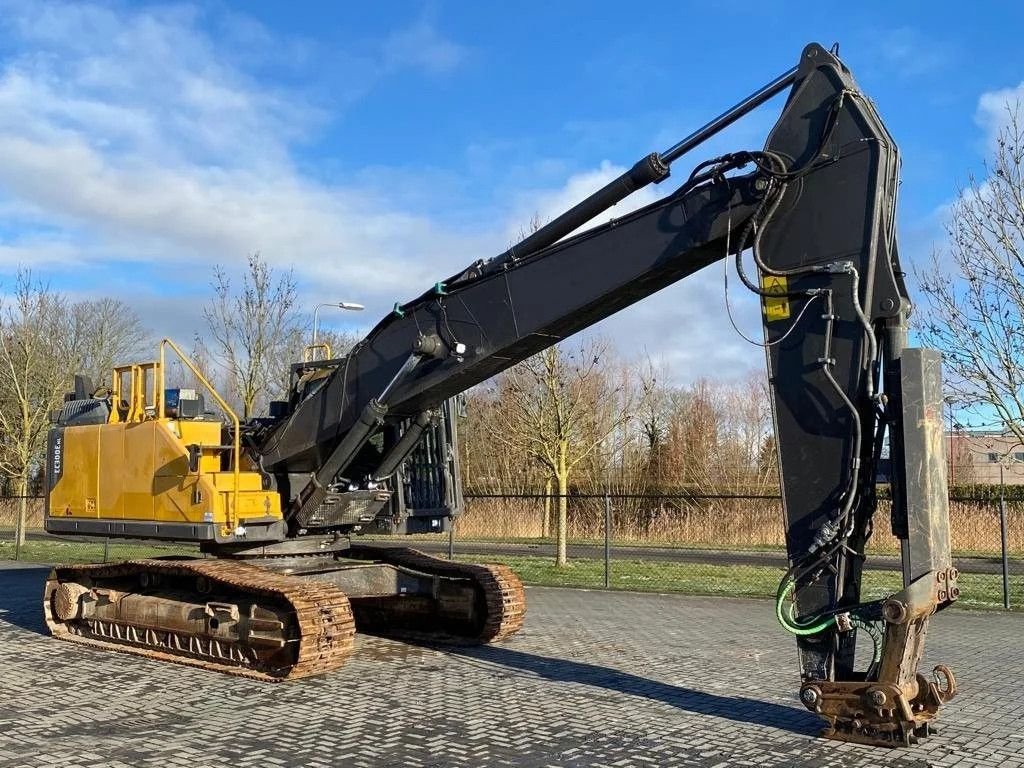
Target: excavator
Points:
(366, 442)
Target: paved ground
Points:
(594, 679)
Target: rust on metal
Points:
(294, 628)
(242, 619)
(503, 600)
(880, 714)
(897, 708)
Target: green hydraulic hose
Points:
(790, 623)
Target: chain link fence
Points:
(711, 544)
(35, 545)
(716, 544)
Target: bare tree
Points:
(44, 341)
(487, 465)
(561, 408)
(253, 330)
(656, 404)
(747, 426)
(974, 287)
(107, 332)
(687, 453)
(35, 362)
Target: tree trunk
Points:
(563, 518)
(22, 508)
(545, 527)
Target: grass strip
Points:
(977, 590)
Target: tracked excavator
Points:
(366, 441)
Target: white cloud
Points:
(995, 108)
(546, 204)
(420, 46)
(129, 136)
(928, 237)
(687, 328)
(40, 251)
(133, 130)
(992, 116)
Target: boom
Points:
(815, 210)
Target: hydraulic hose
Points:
(789, 622)
(876, 638)
(820, 623)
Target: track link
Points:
(243, 619)
(294, 628)
(502, 598)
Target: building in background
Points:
(976, 457)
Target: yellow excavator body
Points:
(142, 467)
(140, 471)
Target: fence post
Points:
(106, 550)
(607, 539)
(1002, 531)
(451, 539)
(17, 538)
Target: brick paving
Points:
(594, 679)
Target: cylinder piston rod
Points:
(650, 169)
(730, 116)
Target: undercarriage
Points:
(284, 612)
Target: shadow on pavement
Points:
(21, 597)
(21, 591)
(736, 708)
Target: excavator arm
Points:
(816, 209)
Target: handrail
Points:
(134, 399)
(115, 397)
(309, 352)
(236, 439)
(136, 409)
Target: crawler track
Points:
(500, 592)
(242, 619)
(303, 628)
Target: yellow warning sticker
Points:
(775, 308)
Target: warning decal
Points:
(775, 308)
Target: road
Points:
(594, 679)
(771, 559)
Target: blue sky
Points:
(377, 149)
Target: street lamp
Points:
(1005, 459)
(350, 305)
(952, 467)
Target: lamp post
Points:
(349, 305)
(952, 460)
(1003, 535)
